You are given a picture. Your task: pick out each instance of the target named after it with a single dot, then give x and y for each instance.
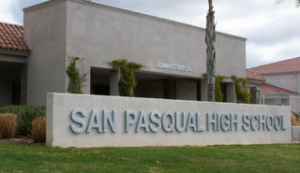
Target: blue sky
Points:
(271, 28)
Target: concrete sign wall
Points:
(100, 121)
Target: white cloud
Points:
(11, 11)
(271, 29)
(260, 55)
(5, 11)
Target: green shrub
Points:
(219, 96)
(8, 124)
(76, 79)
(39, 129)
(127, 82)
(25, 116)
(242, 94)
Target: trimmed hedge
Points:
(25, 116)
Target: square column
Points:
(203, 85)
(230, 93)
(23, 85)
(169, 89)
(114, 83)
(254, 95)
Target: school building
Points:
(34, 57)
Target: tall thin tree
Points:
(210, 39)
(297, 1)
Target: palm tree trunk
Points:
(210, 52)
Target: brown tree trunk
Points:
(210, 51)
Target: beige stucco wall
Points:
(101, 34)
(45, 34)
(289, 80)
(296, 133)
(60, 106)
(57, 29)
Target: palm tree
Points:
(297, 1)
(210, 39)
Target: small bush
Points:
(295, 120)
(39, 129)
(25, 116)
(8, 124)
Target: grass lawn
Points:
(227, 159)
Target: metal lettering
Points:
(234, 120)
(155, 118)
(168, 126)
(283, 127)
(246, 120)
(191, 123)
(78, 120)
(254, 126)
(130, 121)
(224, 121)
(182, 127)
(270, 122)
(277, 122)
(212, 121)
(109, 120)
(95, 122)
(143, 122)
(174, 67)
(262, 122)
(199, 128)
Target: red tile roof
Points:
(290, 65)
(268, 88)
(254, 76)
(11, 37)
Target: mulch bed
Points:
(24, 140)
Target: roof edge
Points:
(136, 13)
(24, 53)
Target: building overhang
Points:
(15, 56)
